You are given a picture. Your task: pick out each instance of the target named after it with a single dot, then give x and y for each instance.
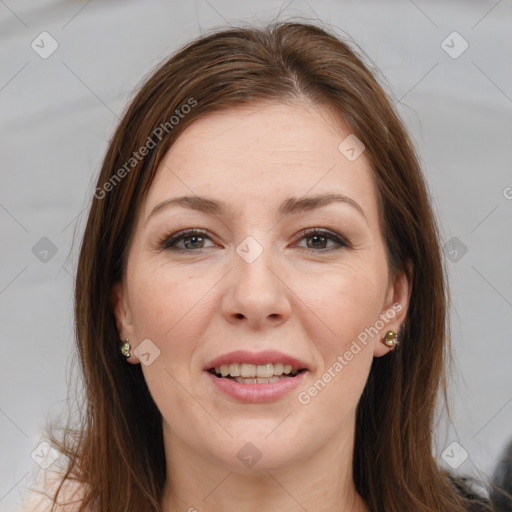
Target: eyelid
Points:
(168, 238)
(168, 241)
(331, 235)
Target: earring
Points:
(390, 339)
(124, 348)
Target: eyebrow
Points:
(289, 207)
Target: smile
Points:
(255, 377)
(246, 373)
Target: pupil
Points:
(317, 238)
(187, 241)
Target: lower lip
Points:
(256, 393)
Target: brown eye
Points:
(192, 239)
(318, 239)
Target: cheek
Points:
(345, 351)
(167, 308)
(348, 299)
(349, 302)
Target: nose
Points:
(257, 293)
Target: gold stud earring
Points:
(124, 348)
(390, 339)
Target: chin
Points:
(252, 450)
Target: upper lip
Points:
(267, 356)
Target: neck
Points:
(320, 481)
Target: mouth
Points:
(247, 373)
(256, 377)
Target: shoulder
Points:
(467, 488)
(39, 494)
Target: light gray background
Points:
(57, 115)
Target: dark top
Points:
(463, 486)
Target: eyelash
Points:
(168, 242)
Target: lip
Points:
(267, 356)
(256, 393)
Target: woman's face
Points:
(256, 286)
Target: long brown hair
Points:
(117, 450)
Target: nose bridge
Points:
(252, 266)
(256, 292)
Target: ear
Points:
(123, 316)
(396, 305)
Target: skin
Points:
(304, 297)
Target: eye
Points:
(320, 237)
(191, 238)
(194, 239)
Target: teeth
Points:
(278, 368)
(234, 370)
(255, 371)
(259, 380)
(265, 370)
(247, 370)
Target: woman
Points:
(259, 234)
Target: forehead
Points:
(260, 154)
